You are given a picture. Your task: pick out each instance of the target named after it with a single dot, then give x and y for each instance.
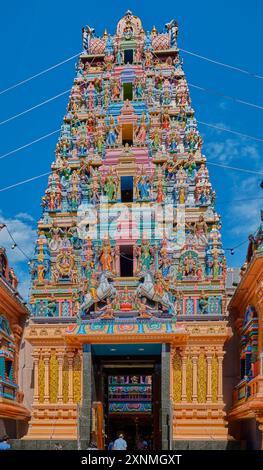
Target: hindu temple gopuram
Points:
(128, 301)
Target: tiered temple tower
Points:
(128, 278)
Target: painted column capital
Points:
(36, 356)
(60, 356)
(209, 357)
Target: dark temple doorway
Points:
(128, 56)
(126, 261)
(128, 383)
(126, 188)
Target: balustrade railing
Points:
(241, 391)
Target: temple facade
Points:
(128, 301)
(13, 314)
(246, 316)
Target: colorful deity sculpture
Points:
(144, 254)
(115, 90)
(112, 133)
(142, 185)
(111, 185)
(138, 89)
(106, 256)
(200, 230)
(141, 131)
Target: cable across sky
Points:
(217, 62)
(15, 244)
(38, 74)
(228, 97)
(52, 67)
(214, 126)
(34, 107)
(246, 170)
(28, 144)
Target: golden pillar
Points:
(184, 373)
(65, 380)
(202, 378)
(177, 377)
(214, 378)
(189, 379)
(195, 359)
(60, 359)
(209, 358)
(77, 369)
(53, 378)
(70, 356)
(220, 357)
(46, 357)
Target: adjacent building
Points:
(13, 315)
(246, 315)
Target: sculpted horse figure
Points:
(104, 290)
(147, 289)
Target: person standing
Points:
(111, 445)
(141, 444)
(92, 445)
(120, 443)
(4, 444)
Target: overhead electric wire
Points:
(24, 181)
(240, 200)
(52, 67)
(15, 244)
(245, 170)
(28, 144)
(217, 62)
(228, 97)
(38, 105)
(239, 244)
(225, 129)
(38, 74)
(200, 122)
(34, 107)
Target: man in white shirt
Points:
(120, 443)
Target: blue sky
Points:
(35, 35)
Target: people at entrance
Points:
(120, 443)
(58, 446)
(141, 444)
(111, 445)
(4, 444)
(92, 445)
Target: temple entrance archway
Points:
(128, 384)
(132, 382)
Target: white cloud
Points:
(231, 150)
(246, 217)
(244, 213)
(24, 235)
(25, 216)
(24, 280)
(22, 230)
